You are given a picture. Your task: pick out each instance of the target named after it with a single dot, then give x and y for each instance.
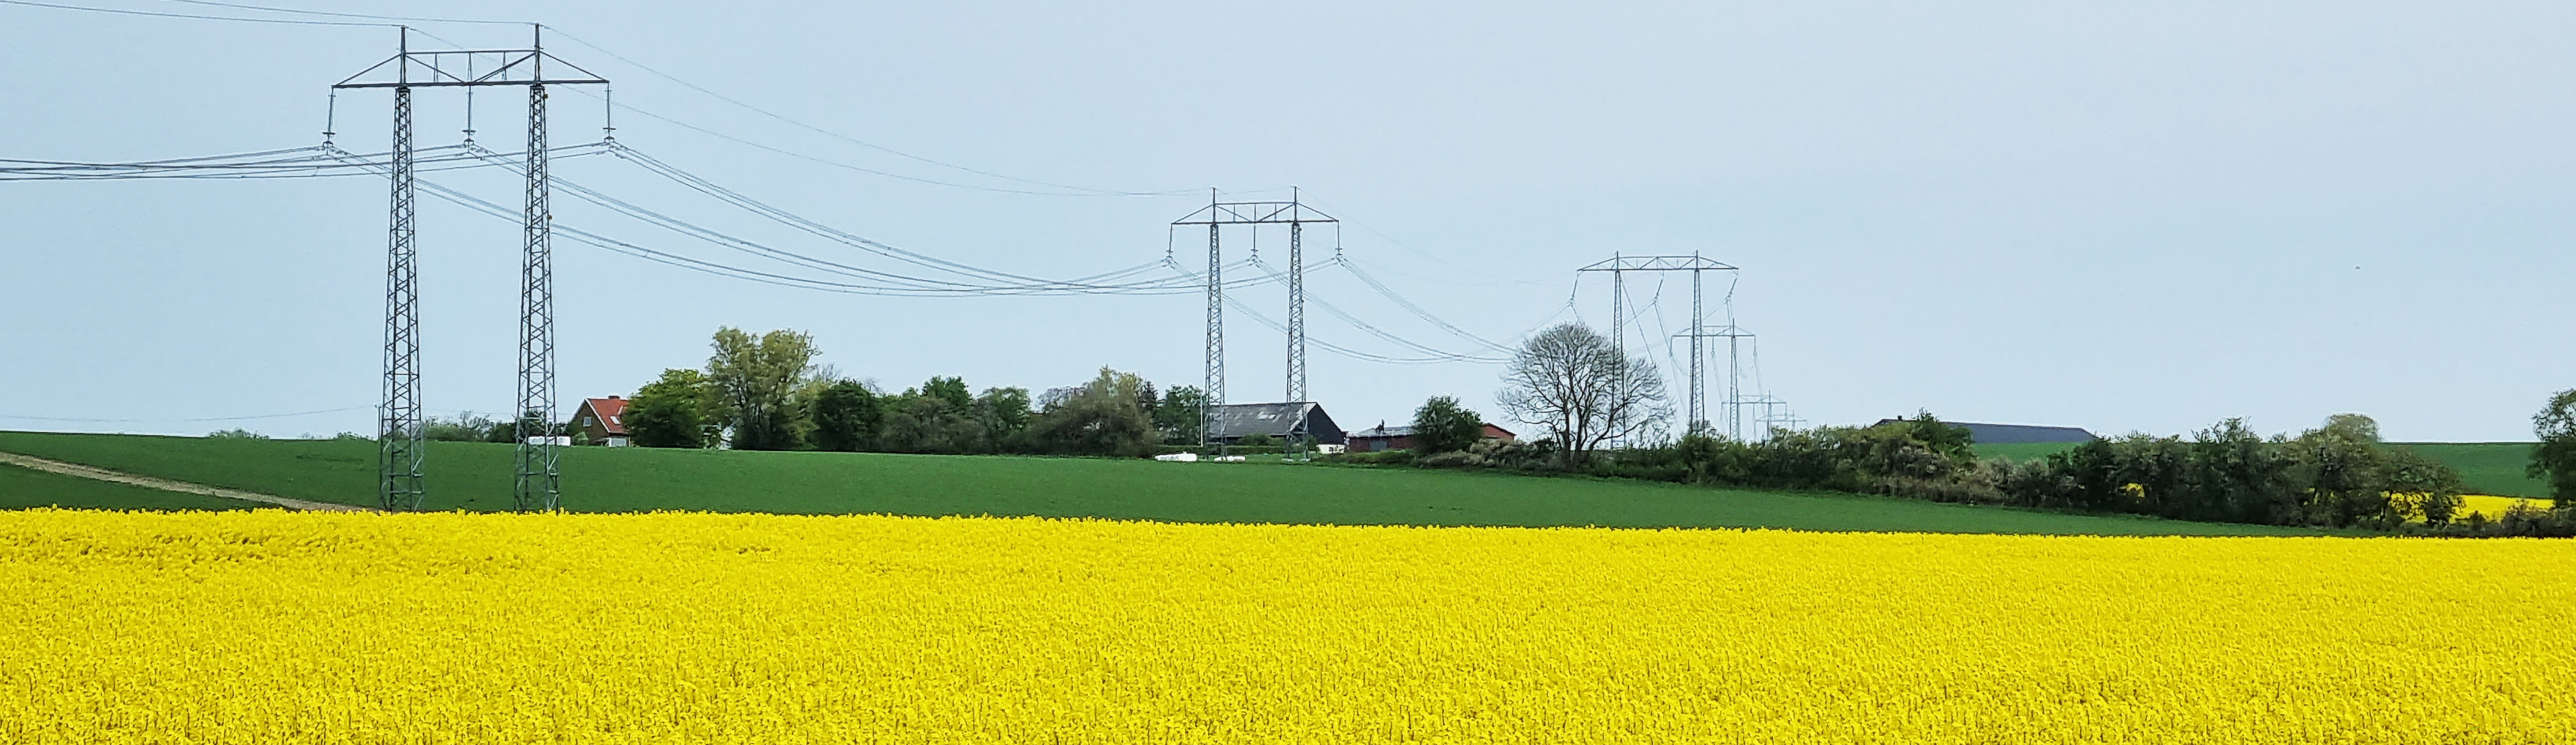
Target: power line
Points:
(156, 14)
(853, 140)
(345, 15)
(96, 420)
(1277, 278)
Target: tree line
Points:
(1604, 413)
(765, 392)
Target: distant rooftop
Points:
(1231, 422)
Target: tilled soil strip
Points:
(87, 472)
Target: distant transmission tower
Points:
(1618, 265)
(1735, 401)
(399, 426)
(1215, 216)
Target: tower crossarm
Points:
(1255, 213)
(1657, 264)
(459, 67)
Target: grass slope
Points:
(21, 488)
(476, 476)
(2488, 467)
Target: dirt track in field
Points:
(87, 472)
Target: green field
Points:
(21, 488)
(476, 476)
(2488, 467)
(2485, 467)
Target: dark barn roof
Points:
(1384, 431)
(1230, 422)
(2006, 434)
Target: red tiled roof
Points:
(611, 412)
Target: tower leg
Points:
(537, 487)
(401, 439)
(1215, 331)
(1296, 312)
(1734, 390)
(1698, 371)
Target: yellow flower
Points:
(276, 627)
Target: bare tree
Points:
(1572, 381)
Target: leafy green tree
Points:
(847, 416)
(2235, 475)
(2554, 459)
(1100, 418)
(1002, 415)
(1177, 417)
(2430, 489)
(2352, 428)
(466, 427)
(1444, 426)
(755, 379)
(915, 423)
(1949, 440)
(671, 412)
(2343, 469)
(235, 434)
(951, 391)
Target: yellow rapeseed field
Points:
(2493, 507)
(273, 627)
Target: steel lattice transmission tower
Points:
(1618, 265)
(1217, 214)
(399, 424)
(538, 483)
(1734, 336)
(401, 436)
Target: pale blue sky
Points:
(2120, 216)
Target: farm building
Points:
(602, 419)
(1383, 437)
(2004, 434)
(1230, 423)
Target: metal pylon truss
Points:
(1216, 215)
(400, 431)
(1618, 266)
(400, 434)
(538, 481)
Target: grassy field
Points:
(21, 488)
(476, 477)
(2485, 467)
(2488, 467)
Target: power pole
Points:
(1734, 393)
(401, 438)
(1217, 214)
(1215, 374)
(399, 421)
(538, 484)
(1296, 306)
(1617, 265)
(1618, 309)
(1699, 378)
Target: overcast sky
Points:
(2119, 216)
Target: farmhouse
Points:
(2005, 434)
(1230, 423)
(603, 420)
(1382, 437)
